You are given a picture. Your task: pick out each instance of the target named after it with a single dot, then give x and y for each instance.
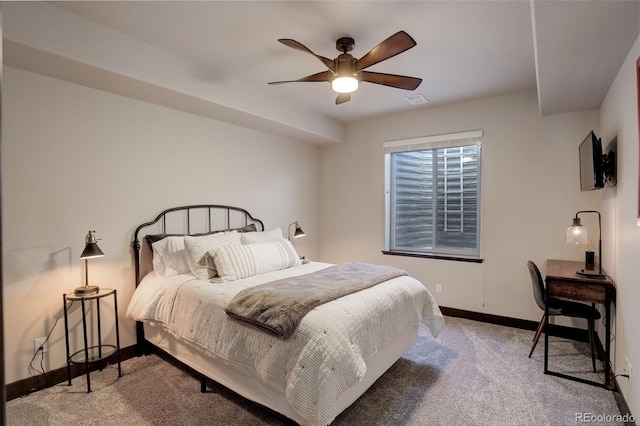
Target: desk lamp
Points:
(577, 234)
(91, 251)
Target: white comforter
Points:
(322, 359)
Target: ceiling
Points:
(569, 51)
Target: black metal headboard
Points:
(185, 220)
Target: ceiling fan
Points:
(346, 72)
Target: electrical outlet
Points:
(438, 288)
(40, 343)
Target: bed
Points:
(331, 357)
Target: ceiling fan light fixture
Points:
(346, 84)
(346, 72)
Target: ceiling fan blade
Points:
(299, 46)
(321, 76)
(391, 80)
(392, 46)
(342, 98)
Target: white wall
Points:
(75, 159)
(530, 193)
(619, 119)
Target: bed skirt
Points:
(250, 385)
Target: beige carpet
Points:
(472, 374)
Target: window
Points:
(432, 194)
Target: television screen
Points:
(591, 163)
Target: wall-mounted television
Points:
(596, 168)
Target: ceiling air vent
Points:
(417, 100)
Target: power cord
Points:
(620, 375)
(40, 349)
(611, 380)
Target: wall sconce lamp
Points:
(91, 251)
(297, 233)
(577, 234)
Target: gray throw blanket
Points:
(279, 306)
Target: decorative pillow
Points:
(262, 237)
(247, 228)
(152, 238)
(169, 257)
(196, 249)
(246, 260)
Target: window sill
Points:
(435, 256)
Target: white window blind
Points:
(432, 194)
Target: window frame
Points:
(431, 143)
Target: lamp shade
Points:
(90, 251)
(298, 232)
(576, 233)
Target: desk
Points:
(563, 283)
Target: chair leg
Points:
(537, 335)
(590, 324)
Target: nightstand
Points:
(91, 355)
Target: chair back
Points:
(537, 283)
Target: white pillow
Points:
(262, 237)
(169, 257)
(246, 260)
(196, 248)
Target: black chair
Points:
(561, 307)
